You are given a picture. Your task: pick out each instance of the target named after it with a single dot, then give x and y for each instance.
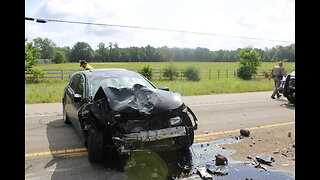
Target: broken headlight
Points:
(175, 120)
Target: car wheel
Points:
(95, 145)
(65, 116)
(291, 99)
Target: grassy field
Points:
(203, 66)
(52, 90)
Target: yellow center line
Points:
(198, 138)
(55, 152)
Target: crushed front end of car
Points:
(139, 118)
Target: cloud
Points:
(270, 19)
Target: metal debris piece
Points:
(221, 170)
(203, 173)
(245, 132)
(265, 159)
(256, 164)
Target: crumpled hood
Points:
(139, 98)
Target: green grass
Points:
(203, 66)
(227, 85)
(46, 92)
(52, 90)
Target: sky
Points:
(262, 19)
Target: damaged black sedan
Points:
(120, 110)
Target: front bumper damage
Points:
(140, 119)
(160, 139)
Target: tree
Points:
(203, 54)
(46, 47)
(102, 54)
(114, 52)
(31, 59)
(249, 62)
(31, 55)
(59, 58)
(65, 50)
(81, 50)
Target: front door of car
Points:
(76, 93)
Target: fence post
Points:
(62, 74)
(209, 74)
(227, 74)
(218, 73)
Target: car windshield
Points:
(116, 81)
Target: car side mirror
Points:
(164, 88)
(77, 98)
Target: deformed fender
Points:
(194, 118)
(92, 111)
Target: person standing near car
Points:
(85, 65)
(277, 73)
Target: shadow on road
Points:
(287, 104)
(74, 165)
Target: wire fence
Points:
(158, 73)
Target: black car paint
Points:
(287, 87)
(123, 102)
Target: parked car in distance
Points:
(118, 109)
(288, 87)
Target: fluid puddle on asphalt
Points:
(182, 165)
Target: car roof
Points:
(105, 72)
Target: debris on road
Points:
(265, 159)
(221, 160)
(255, 164)
(289, 135)
(245, 132)
(203, 173)
(221, 170)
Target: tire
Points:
(291, 99)
(65, 116)
(95, 145)
(189, 139)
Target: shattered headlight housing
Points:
(175, 120)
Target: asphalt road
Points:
(53, 150)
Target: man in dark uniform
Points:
(277, 73)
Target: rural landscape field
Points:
(51, 90)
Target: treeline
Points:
(111, 52)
